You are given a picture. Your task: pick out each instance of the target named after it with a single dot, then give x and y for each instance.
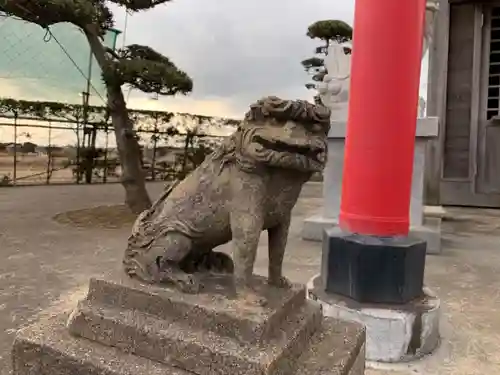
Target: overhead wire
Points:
(124, 39)
(50, 35)
(68, 55)
(125, 26)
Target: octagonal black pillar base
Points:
(371, 269)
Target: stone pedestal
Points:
(123, 327)
(394, 333)
(429, 231)
(378, 282)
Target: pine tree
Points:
(138, 66)
(326, 31)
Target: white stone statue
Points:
(431, 10)
(421, 107)
(334, 90)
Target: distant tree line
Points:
(25, 147)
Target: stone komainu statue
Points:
(249, 184)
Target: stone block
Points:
(314, 226)
(430, 233)
(336, 349)
(394, 333)
(197, 351)
(217, 309)
(373, 269)
(47, 348)
(259, 331)
(434, 211)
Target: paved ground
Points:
(46, 266)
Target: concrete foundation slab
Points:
(314, 226)
(430, 232)
(394, 333)
(434, 211)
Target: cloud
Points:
(9, 89)
(236, 51)
(184, 104)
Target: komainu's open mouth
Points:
(280, 146)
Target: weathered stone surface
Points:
(200, 352)
(171, 329)
(338, 348)
(245, 317)
(124, 327)
(46, 348)
(249, 184)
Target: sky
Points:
(235, 51)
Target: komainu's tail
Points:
(141, 236)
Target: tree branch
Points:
(138, 5)
(147, 70)
(48, 12)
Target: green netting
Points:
(34, 66)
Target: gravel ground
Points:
(46, 266)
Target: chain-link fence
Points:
(36, 64)
(76, 152)
(44, 141)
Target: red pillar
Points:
(386, 59)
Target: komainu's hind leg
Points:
(207, 261)
(218, 262)
(162, 262)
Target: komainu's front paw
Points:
(280, 282)
(241, 284)
(186, 283)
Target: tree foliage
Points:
(145, 69)
(97, 115)
(45, 13)
(138, 5)
(81, 13)
(138, 66)
(190, 132)
(329, 30)
(326, 31)
(313, 62)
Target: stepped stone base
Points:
(123, 327)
